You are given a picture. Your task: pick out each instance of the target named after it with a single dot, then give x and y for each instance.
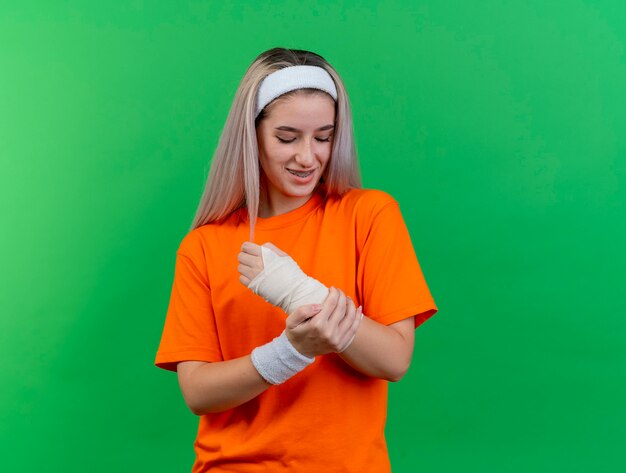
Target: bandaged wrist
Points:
(278, 360)
(283, 284)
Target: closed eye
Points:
(320, 140)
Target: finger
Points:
(247, 271)
(302, 314)
(244, 280)
(251, 248)
(329, 304)
(354, 328)
(350, 313)
(340, 309)
(358, 317)
(249, 260)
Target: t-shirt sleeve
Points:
(389, 278)
(190, 332)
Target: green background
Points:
(498, 126)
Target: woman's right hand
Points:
(324, 328)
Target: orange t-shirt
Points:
(329, 417)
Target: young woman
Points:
(284, 350)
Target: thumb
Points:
(302, 314)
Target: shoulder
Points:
(193, 243)
(198, 241)
(363, 202)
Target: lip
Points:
(301, 179)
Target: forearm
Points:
(381, 351)
(216, 387)
(377, 350)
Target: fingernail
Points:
(316, 308)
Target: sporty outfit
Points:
(328, 417)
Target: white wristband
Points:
(278, 360)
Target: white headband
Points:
(293, 78)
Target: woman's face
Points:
(295, 141)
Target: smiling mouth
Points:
(300, 173)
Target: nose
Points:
(305, 156)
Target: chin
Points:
(301, 191)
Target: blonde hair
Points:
(234, 181)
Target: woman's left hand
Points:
(251, 260)
(329, 327)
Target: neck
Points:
(269, 207)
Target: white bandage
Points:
(278, 360)
(283, 284)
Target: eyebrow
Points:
(295, 130)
